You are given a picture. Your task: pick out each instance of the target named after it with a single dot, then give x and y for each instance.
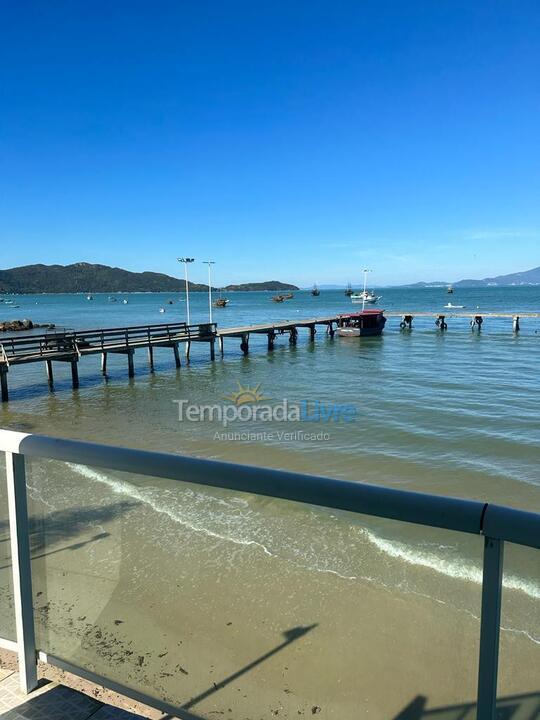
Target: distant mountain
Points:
(272, 285)
(86, 277)
(527, 277)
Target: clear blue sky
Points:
(297, 140)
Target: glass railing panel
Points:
(225, 603)
(519, 661)
(7, 613)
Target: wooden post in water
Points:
(188, 348)
(75, 374)
(312, 332)
(131, 366)
(50, 376)
(220, 341)
(330, 329)
(515, 323)
(151, 357)
(441, 322)
(271, 338)
(476, 323)
(176, 352)
(4, 382)
(104, 363)
(244, 345)
(212, 349)
(406, 322)
(293, 336)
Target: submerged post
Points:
(176, 352)
(293, 336)
(490, 625)
(212, 349)
(476, 322)
(50, 376)
(220, 341)
(22, 572)
(104, 363)
(515, 323)
(271, 339)
(131, 366)
(74, 374)
(441, 322)
(244, 345)
(4, 383)
(151, 357)
(406, 322)
(312, 332)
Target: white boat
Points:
(125, 302)
(161, 310)
(89, 297)
(366, 296)
(454, 307)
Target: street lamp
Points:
(209, 263)
(186, 262)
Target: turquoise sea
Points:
(454, 413)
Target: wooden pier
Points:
(69, 346)
(271, 330)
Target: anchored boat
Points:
(362, 324)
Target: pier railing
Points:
(54, 344)
(497, 524)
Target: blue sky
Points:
(297, 140)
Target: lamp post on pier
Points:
(186, 261)
(209, 263)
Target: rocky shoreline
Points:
(15, 325)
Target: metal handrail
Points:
(496, 523)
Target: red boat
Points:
(362, 324)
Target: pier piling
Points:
(104, 363)
(406, 322)
(131, 366)
(50, 376)
(244, 345)
(176, 352)
(515, 323)
(440, 322)
(4, 383)
(476, 322)
(151, 358)
(75, 374)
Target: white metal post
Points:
(22, 571)
(209, 263)
(490, 625)
(187, 293)
(186, 261)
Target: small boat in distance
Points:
(348, 290)
(315, 291)
(455, 307)
(367, 323)
(125, 302)
(450, 290)
(161, 310)
(89, 297)
(278, 298)
(366, 296)
(221, 302)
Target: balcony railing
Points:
(498, 524)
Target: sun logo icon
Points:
(245, 395)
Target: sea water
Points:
(452, 413)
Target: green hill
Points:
(86, 277)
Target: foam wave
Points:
(453, 568)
